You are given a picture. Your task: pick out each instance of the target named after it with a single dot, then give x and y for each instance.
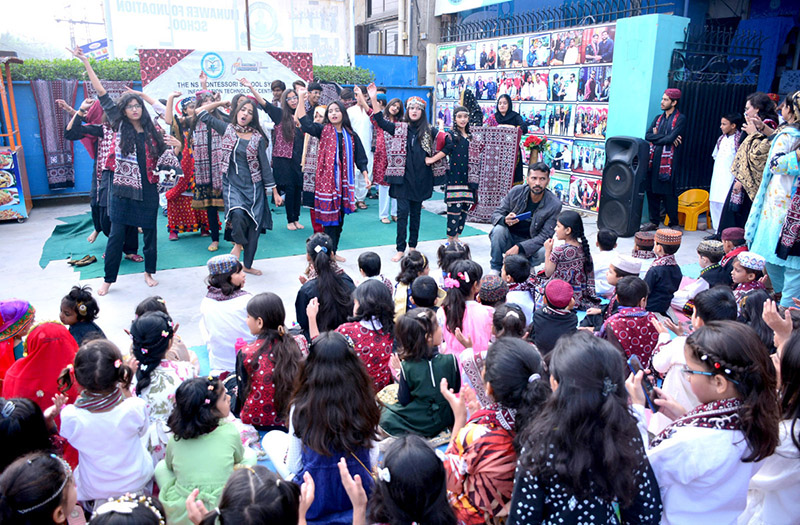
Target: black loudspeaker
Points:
(622, 196)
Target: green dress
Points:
(428, 412)
(203, 463)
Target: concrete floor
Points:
(182, 289)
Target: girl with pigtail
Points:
(105, 424)
(581, 457)
(572, 261)
(714, 449)
(157, 377)
(461, 315)
(482, 454)
(268, 367)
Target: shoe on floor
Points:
(173, 236)
(86, 261)
(712, 237)
(648, 227)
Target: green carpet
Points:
(361, 230)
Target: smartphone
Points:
(647, 383)
(523, 216)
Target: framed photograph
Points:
(560, 120)
(488, 109)
(598, 45)
(538, 50)
(486, 53)
(485, 85)
(565, 47)
(465, 57)
(446, 59)
(509, 83)
(559, 157)
(509, 52)
(559, 184)
(463, 81)
(564, 84)
(584, 193)
(535, 115)
(594, 84)
(591, 121)
(535, 85)
(588, 157)
(444, 114)
(446, 87)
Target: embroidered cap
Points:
(710, 249)
(416, 101)
(627, 264)
(493, 289)
(222, 264)
(733, 234)
(644, 239)
(15, 316)
(673, 93)
(752, 261)
(668, 237)
(558, 293)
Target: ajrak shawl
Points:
(396, 150)
(665, 167)
(722, 415)
(334, 188)
(127, 181)
(228, 144)
(208, 171)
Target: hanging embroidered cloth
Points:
(58, 152)
(496, 169)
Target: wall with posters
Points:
(559, 81)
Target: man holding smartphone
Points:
(525, 219)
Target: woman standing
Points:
(139, 152)
(465, 160)
(412, 152)
(340, 150)
(247, 177)
(287, 151)
(750, 160)
(766, 232)
(505, 116)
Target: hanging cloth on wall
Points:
(58, 152)
(115, 88)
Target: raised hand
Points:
(307, 491)
(313, 308)
(355, 491)
(372, 90)
(246, 83)
(171, 141)
(465, 340)
(78, 53)
(782, 326)
(195, 508)
(302, 92)
(454, 400)
(175, 94)
(86, 105)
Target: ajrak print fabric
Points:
(208, 171)
(228, 144)
(127, 180)
(334, 191)
(310, 164)
(665, 168)
(396, 149)
(496, 171)
(633, 328)
(115, 88)
(58, 152)
(721, 415)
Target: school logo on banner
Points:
(213, 65)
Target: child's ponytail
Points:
(734, 351)
(508, 320)
(151, 334)
(463, 276)
(335, 303)
(572, 220)
(98, 368)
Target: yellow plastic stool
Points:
(691, 203)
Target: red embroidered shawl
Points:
(334, 188)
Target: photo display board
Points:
(559, 81)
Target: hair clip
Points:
(145, 366)
(608, 386)
(162, 301)
(67, 476)
(211, 388)
(533, 377)
(451, 283)
(464, 276)
(164, 333)
(8, 409)
(144, 350)
(207, 401)
(117, 363)
(70, 367)
(703, 357)
(421, 314)
(384, 475)
(82, 309)
(319, 248)
(728, 371)
(512, 313)
(717, 366)
(210, 377)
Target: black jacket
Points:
(548, 326)
(543, 221)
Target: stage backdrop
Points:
(559, 82)
(168, 70)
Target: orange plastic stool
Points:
(692, 203)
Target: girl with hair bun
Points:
(79, 311)
(157, 377)
(106, 424)
(37, 489)
(482, 456)
(572, 261)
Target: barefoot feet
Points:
(214, 246)
(398, 256)
(237, 250)
(338, 258)
(253, 271)
(148, 278)
(291, 226)
(299, 226)
(93, 236)
(103, 288)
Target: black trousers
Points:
(243, 231)
(335, 232)
(114, 248)
(456, 218)
(670, 204)
(294, 198)
(408, 217)
(102, 223)
(213, 222)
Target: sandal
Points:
(86, 261)
(135, 257)
(361, 205)
(386, 220)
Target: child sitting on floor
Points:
(668, 360)
(643, 249)
(572, 261)
(556, 318)
(412, 266)
(621, 266)
(493, 292)
(733, 244)
(425, 293)
(709, 254)
(607, 243)
(460, 310)
(631, 328)
(79, 311)
(748, 269)
(450, 253)
(516, 272)
(369, 264)
(664, 276)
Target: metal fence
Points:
(715, 68)
(582, 13)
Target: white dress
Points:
(221, 324)
(721, 178)
(668, 359)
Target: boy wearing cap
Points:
(664, 276)
(556, 318)
(643, 249)
(709, 254)
(733, 244)
(631, 328)
(621, 266)
(748, 269)
(493, 292)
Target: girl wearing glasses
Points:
(705, 458)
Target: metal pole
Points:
(247, 21)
